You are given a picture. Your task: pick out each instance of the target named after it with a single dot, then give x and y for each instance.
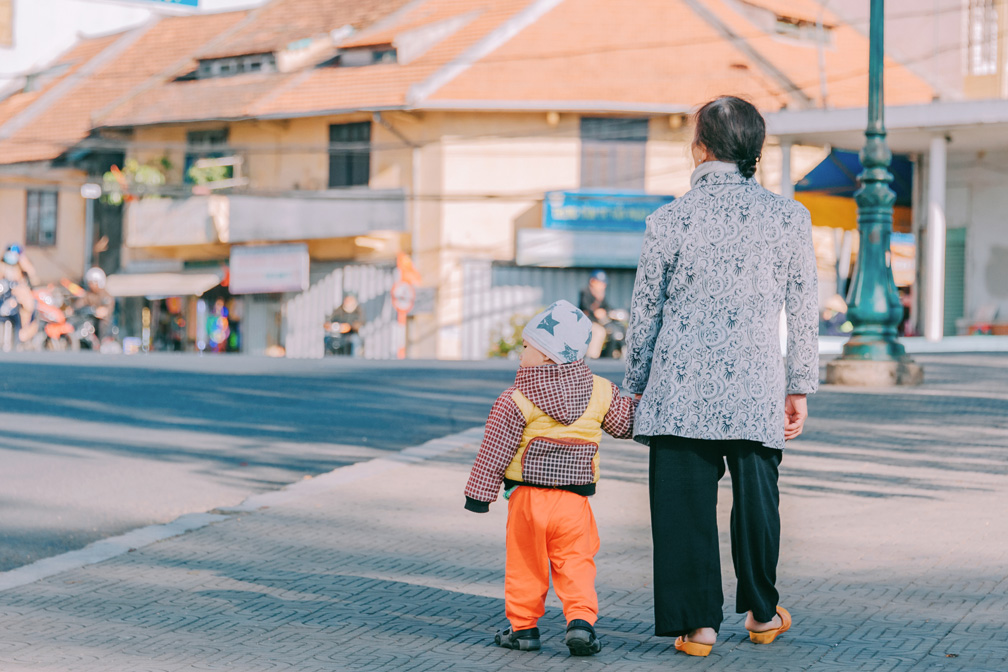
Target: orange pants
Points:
(549, 530)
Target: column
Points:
(934, 260)
(787, 184)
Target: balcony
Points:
(204, 220)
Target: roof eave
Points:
(580, 106)
(934, 115)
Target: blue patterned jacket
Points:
(716, 268)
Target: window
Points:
(358, 57)
(236, 65)
(349, 154)
(209, 144)
(40, 219)
(613, 152)
(982, 37)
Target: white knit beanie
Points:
(561, 332)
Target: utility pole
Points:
(873, 355)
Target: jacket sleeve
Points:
(501, 438)
(619, 421)
(801, 303)
(646, 305)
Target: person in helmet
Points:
(20, 275)
(97, 301)
(593, 303)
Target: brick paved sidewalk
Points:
(895, 557)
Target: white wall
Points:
(977, 199)
(45, 28)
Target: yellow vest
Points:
(552, 454)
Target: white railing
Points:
(382, 335)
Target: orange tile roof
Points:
(410, 17)
(281, 22)
(109, 68)
(343, 88)
(846, 64)
(608, 55)
(665, 53)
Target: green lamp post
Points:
(873, 355)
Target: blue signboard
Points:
(599, 210)
(182, 3)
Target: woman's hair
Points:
(733, 131)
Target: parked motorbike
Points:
(10, 320)
(339, 339)
(56, 331)
(616, 331)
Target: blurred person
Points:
(20, 275)
(344, 325)
(542, 442)
(97, 304)
(717, 267)
(593, 303)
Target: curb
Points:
(106, 549)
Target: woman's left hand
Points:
(795, 413)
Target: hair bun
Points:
(747, 166)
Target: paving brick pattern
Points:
(895, 557)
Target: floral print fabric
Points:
(716, 268)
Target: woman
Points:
(717, 267)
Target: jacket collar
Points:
(716, 172)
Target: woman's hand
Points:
(795, 412)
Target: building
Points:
(959, 147)
(504, 147)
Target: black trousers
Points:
(684, 475)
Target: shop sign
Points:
(268, 269)
(903, 258)
(599, 210)
(572, 249)
(181, 3)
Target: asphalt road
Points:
(93, 446)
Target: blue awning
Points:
(837, 175)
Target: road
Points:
(93, 446)
(894, 548)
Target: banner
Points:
(182, 3)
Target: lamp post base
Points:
(869, 373)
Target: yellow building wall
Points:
(66, 258)
(470, 178)
(668, 162)
(157, 142)
(496, 167)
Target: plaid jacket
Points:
(563, 392)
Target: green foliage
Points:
(208, 174)
(141, 179)
(509, 343)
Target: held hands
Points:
(795, 412)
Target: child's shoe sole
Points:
(521, 640)
(581, 639)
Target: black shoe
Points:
(581, 639)
(521, 640)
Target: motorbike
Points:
(616, 332)
(56, 331)
(85, 331)
(10, 319)
(339, 339)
